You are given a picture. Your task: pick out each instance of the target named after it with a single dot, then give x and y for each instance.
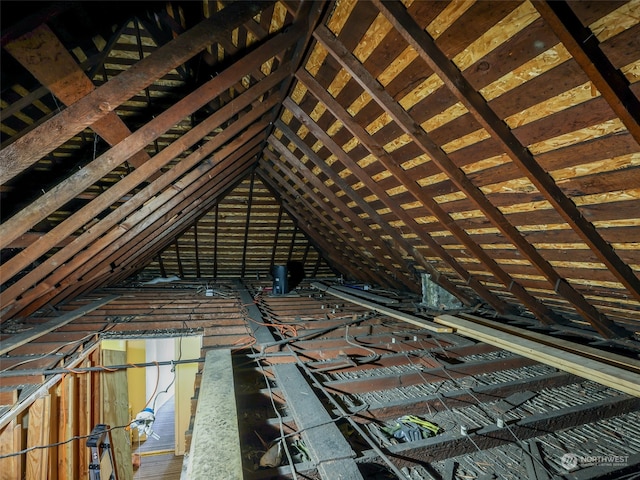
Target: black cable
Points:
(51, 445)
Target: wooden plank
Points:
(329, 143)
(479, 108)
(22, 338)
(86, 111)
(78, 182)
(210, 455)
(405, 317)
(115, 410)
(583, 45)
(580, 365)
(143, 215)
(67, 464)
(586, 350)
(438, 156)
(47, 59)
(11, 442)
(37, 435)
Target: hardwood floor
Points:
(157, 458)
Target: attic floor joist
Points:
(360, 369)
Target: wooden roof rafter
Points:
(114, 193)
(366, 237)
(148, 226)
(350, 193)
(457, 83)
(334, 222)
(315, 230)
(351, 64)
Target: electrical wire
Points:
(57, 444)
(478, 404)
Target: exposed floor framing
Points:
(314, 368)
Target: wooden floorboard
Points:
(158, 460)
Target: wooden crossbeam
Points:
(48, 60)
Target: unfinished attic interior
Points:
(320, 240)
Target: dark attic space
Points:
(320, 240)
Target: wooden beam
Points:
(418, 193)
(85, 112)
(138, 221)
(115, 411)
(350, 237)
(19, 339)
(11, 442)
(598, 320)
(376, 307)
(247, 224)
(356, 197)
(38, 435)
(68, 428)
(584, 47)
(137, 201)
(365, 230)
(575, 363)
(276, 236)
(79, 181)
(196, 248)
(215, 241)
(177, 249)
(601, 355)
(216, 456)
(48, 60)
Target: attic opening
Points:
(155, 394)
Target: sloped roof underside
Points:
(492, 145)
